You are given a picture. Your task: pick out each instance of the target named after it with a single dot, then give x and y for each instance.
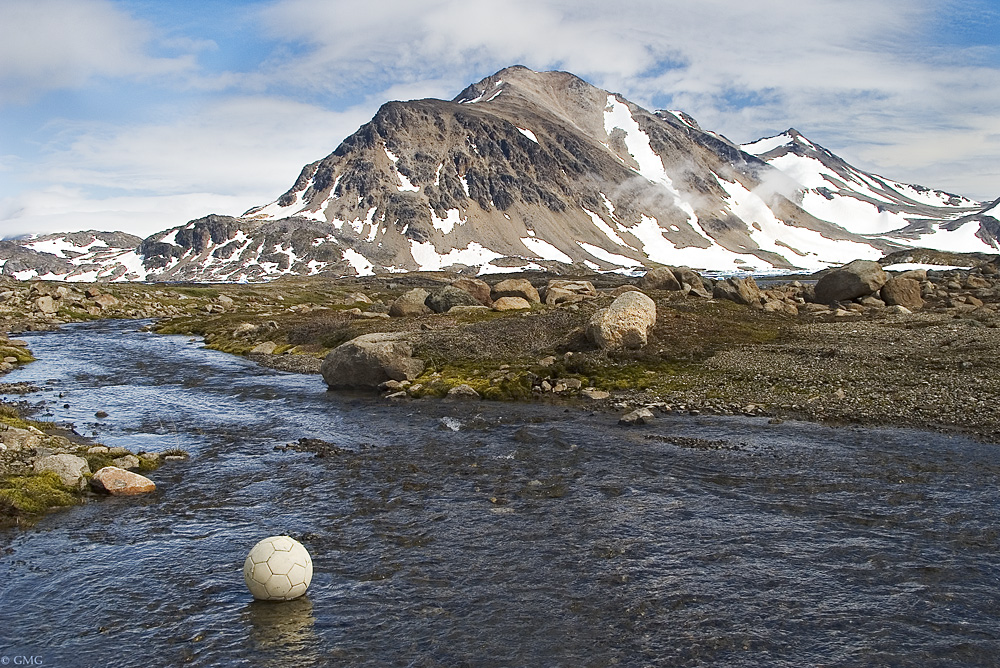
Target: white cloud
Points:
(232, 155)
(233, 144)
(60, 209)
(849, 74)
(52, 44)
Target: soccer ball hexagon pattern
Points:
(278, 569)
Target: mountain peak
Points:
(532, 170)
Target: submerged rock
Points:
(370, 360)
(638, 416)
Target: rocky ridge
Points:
(542, 171)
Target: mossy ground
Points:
(25, 498)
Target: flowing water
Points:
(491, 534)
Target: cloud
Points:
(231, 155)
(848, 74)
(54, 44)
(61, 209)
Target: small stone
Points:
(119, 482)
(462, 392)
(97, 450)
(101, 414)
(547, 361)
(594, 394)
(126, 462)
(265, 348)
(118, 452)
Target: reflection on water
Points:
(283, 631)
(493, 535)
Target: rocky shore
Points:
(853, 345)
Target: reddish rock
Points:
(475, 287)
(119, 482)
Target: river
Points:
(491, 534)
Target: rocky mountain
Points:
(77, 256)
(532, 169)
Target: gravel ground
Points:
(935, 370)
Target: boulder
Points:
(265, 348)
(594, 394)
(638, 416)
(853, 280)
(410, 303)
(778, 306)
(69, 468)
(624, 324)
(119, 482)
(516, 287)
(740, 290)
(511, 304)
(444, 299)
(480, 290)
(46, 305)
(567, 292)
(126, 462)
(105, 301)
(660, 278)
(19, 439)
(689, 277)
(902, 292)
(369, 360)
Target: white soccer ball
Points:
(278, 569)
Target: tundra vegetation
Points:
(914, 348)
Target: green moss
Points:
(10, 416)
(24, 498)
(23, 355)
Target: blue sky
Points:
(140, 115)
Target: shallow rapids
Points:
(491, 534)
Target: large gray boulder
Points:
(660, 278)
(853, 280)
(566, 292)
(624, 324)
(69, 468)
(516, 287)
(410, 304)
(740, 290)
(902, 292)
(370, 360)
(689, 277)
(448, 297)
